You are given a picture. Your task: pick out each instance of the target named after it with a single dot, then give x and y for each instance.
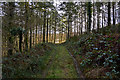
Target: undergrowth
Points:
(27, 64)
(98, 53)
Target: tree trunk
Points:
(10, 23)
(20, 41)
(36, 31)
(68, 28)
(102, 15)
(55, 29)
(98, 26)
(85, 22)
(50, 28)
(113, 13)
(93, 16)
(47, 30)
(77, 27)
(33, 36)
(30, 38)
(109, 19)
(89, 16)
(74, 28)
(26, 25)
(44, 26)
(81, 24)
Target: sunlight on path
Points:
(62, 65)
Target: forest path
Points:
(61, 65)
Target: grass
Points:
(42, 61)
(46, 59)
(62, 66)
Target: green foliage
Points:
(99, 49)
(86, 62)
(16, 31)
(25, 65)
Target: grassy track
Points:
(61, 65)
(58, 64)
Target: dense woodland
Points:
(35, 34)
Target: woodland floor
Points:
(100, 51)
(60, 64)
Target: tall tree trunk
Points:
(41, 21)
(10, 23)
(31, 33)
(81, 24)
(109, 19)
(104, 19)
(85, 21)
(77, 26)
(33, 36)
(44, 25)
(68, 27)
(89, 16)
(93, 15)
(113, 5)
(39, 35)
(98, 26)
(52, 40)
(30, 37)
(47, 30)
(26, 25)
(74, 28)
(36, 34)
(55, 29)
(36, 30)
(102, 15)
(20, 41)
(50, 28)
(71, 28)
(52, 36)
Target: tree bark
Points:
(44, 26)
(26, 25)
(47, 30)
(109, 19)
(113, 13)
(68, 28)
